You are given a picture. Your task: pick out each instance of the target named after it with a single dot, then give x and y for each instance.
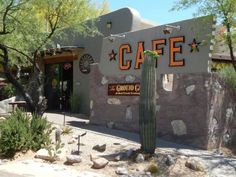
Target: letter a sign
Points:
(184, 47)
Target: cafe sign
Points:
(184, 47)
(124, 89)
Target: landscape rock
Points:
(139, 158)
(98, 162)
(169, 160)
(121, 171)
(194, 165)
(72, 141)
(73, 159)
(119, 157)
(100, 148)
(45, 155)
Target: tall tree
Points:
(28, 26)
(225, 11)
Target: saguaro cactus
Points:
(147, 104)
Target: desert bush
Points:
(20, 132)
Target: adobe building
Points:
(194, 106)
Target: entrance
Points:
(58, 85)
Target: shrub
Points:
(8, 91)
(66, 130)
(153, 169)
(229, 75)
(20, 132)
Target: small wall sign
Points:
(124, 89)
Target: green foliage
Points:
(229, 76)
(147, 106)
(8, 91)
(152, 54)
(21, 132)
(74, 103)
(40, 131)
(66, 130)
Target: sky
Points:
(155, 10)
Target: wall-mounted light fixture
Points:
(109, 25)
(113, 36)
(169, 29)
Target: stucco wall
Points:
(184, 115)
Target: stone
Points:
(128, 113)
(179, 127)
(91, 104)
(119, 157)
(169, 160)
(110, 125)
(73, 159)
(104, 80)
(72, 140)
(190, 89)
(139, 158)
(45, 155)
(100, 148)
(114, 101)
(75, 136)
(194, 165)
(121, 171)
(98, 162)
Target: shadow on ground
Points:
(123, 134)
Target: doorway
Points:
(58, 85)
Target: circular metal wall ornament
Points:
(84, 63)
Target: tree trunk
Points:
(14, 82)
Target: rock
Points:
(121, 171)
(98, 162)
(72, 141)
(73, 159)
(75, 137)
(113, 101)
(179, 127)
(190, 89)
(110, 125)
(45, 155)
(194, 165)
(169, 160)
(139, 158)
(100, 148)
(119, 157)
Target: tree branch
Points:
(4, 18)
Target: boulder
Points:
(194, 165)
(100, 148)
(139, 158)
(98, 162)
(72, 141)
(73, 159)
(169, 160)
(45, 154)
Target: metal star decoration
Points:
(112, 55)
(194, 45)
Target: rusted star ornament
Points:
(112, 55)
(194, 46)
